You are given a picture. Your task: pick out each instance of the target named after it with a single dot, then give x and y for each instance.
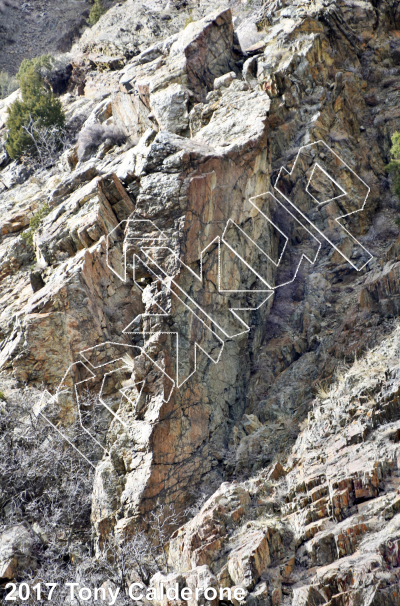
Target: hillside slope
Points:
(230, 327)
(29, 29)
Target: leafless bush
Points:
(291, 426)
(94, 135)
(230, 458)
(162, 522)
(368, 176)
(95, 420)
(383, 228)
(48, 143)
(108, 571)
(122, 560)
(8, 84)
(138, 555)
(45, 483)
(201, 497)
(281, 491)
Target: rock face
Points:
(16, 552)
(326, 532)
(133, 26)
(209, 296)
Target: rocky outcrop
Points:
(209, 296)
(16, 552)
(133, 26)
(72, 239)
(327, 531)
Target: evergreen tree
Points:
(96, 12)
(38, 105)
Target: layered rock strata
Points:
(150, 246)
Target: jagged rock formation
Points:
(325, 529)
(131, 27)
(150, 246)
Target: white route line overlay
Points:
(316, 165)
(303, 256)
(60, 391)
(160, 238)
(283, 169)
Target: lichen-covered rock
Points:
(196, 582)
(169, 106)
(201, 541)
(16, 552)
(132, 27)
(247, 562)
(149, 247)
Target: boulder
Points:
(224, 81)
(197, 581)
(249, 560)
(169, 107)
(16, 552)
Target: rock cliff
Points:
(227, 284)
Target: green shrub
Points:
(34, 223)
(96, 12)
(8, 84)
(38, 106)
(2, 396)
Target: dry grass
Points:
(323, 391)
